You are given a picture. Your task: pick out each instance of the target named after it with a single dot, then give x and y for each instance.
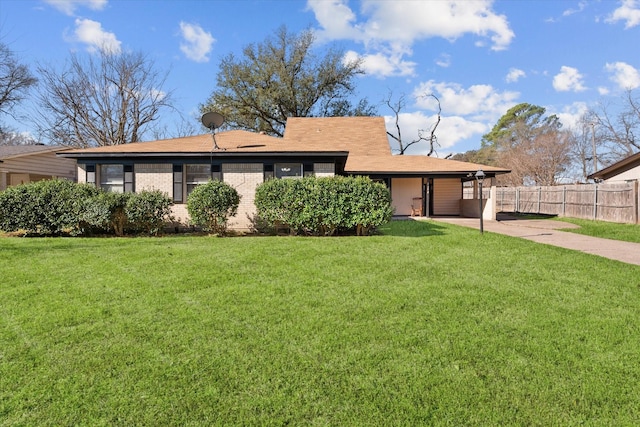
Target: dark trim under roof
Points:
(217, 154)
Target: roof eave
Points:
(217, 153)
(439, 173)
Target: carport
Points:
(438, 185)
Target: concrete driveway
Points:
(550, 232)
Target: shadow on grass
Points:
(412, 228)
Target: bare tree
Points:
(10, 137)
(110, 99)
(430, 137)
(15, 82)
(541, 160)
(183, 126)
(619, 129)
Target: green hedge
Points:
(324, 206)
(60, 207)
(211, 205)
(48, 207)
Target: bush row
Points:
(324, 206)
(59, 207)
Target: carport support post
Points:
(480, 178)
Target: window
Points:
(177, 183)
(116, 178)
(267, 171)
(196, 175)
(91, 174)
(288, 170)
(128, 178)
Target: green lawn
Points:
(606, 230)
(428, 324)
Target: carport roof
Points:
(414, 164)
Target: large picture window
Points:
(116, 178)
(288, 170)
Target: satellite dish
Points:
(213, 120)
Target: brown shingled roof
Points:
(358, 135)
(364, 139)
(234, 140)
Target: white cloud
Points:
(571, 115)
(382, 65)
(91, 33)
(69, 7)
(444, 60)
(581, 6)
(479, 102)
(624, 75)
(514, 75)
(629, 11)
(568, 80)
(336, 19)
(390, 28)
(197, 42)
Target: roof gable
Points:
(359, 135)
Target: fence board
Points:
(605, 202)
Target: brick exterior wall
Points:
(244, 178)
(154, 177)
(180, 214)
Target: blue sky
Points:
(478, 57)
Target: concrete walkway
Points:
(550, 232)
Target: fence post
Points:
(539, 197)
(564, 200)
(595, 201)
(636, 202)
(517, 206)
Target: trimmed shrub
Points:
(322, 206)
(15, 209)
(48, 207)
(105, 212)
(148, 211)
(211, 205)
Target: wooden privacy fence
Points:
(604, 202)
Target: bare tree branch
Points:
(109, 100)
(15, 81)
(397, 108)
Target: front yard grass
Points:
(427, 324)
(604, 229)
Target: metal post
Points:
(480, 198)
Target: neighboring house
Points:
(310, 146)
(625, 170)
(21, 164)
